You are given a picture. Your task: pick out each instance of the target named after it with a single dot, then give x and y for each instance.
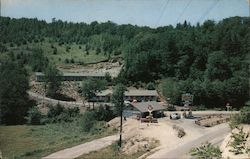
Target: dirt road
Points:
(215, 135)
(85, 148)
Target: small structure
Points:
(130, 95)
(70, 76)
(142, 109)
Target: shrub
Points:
(55, 51)
(58, 114)
(55, 111)
(242, 117)
(150, 86)
(87, 121)
(238, 142)
(66, 61)
(206, 150)
(34, 116)
(180, 131)
(171, 107)
(104, 113)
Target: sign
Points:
(150, 108)
(187, 98)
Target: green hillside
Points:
(207, 60)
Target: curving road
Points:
(85, 148)
(214, 136)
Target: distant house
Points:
(141, 109)
(67, 76)
(131, 95)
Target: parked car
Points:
(175, 116)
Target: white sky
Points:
(151, 13)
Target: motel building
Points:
(137, 102)
(141, 109)
(71, 76)
(130, 95)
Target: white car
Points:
(175, 116)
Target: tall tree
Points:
(92, 86)
(14, 101)
(118, 100)
(52, 79)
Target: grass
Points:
(37, 141)
(112, 152)
(79, 55)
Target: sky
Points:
(152, 13)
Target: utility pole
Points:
(120, 140)
(249, 7)
(0, 8)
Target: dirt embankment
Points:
(162, 132)
(69, 89)
(225, 146)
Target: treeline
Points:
(108, 37)
(210, 60)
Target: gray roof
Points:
(139, 92)
(143, 106)
(132, 92)
(74, 74)
(106, 92)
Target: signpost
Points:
(187, 99)
(150, 116)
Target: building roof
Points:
(138, 92)
(74, 74)
(143, 106)
(132, 92)
(106, 92)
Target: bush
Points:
(171, 107)
(180, 131)
(87, 121)
(104, 113)
(199, 108)
(242, 118)
(150, 86)
(66, 61)
(34, 116)
(58, 114)
(238, 142)
(206, 150)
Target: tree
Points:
(52, 79)
(118, 100)
(92, 86)
(217, 66)
(14, 100)
(87, 121)
(170, 89)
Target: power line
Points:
(208, 10)
(183, 11)
(164, 7)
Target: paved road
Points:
(216, 136)
(85, 148)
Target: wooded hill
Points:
(209, 60)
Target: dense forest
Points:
(209, 60)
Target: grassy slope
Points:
(109, 153)
(78, 54)
(37, 141)
(112, 152)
